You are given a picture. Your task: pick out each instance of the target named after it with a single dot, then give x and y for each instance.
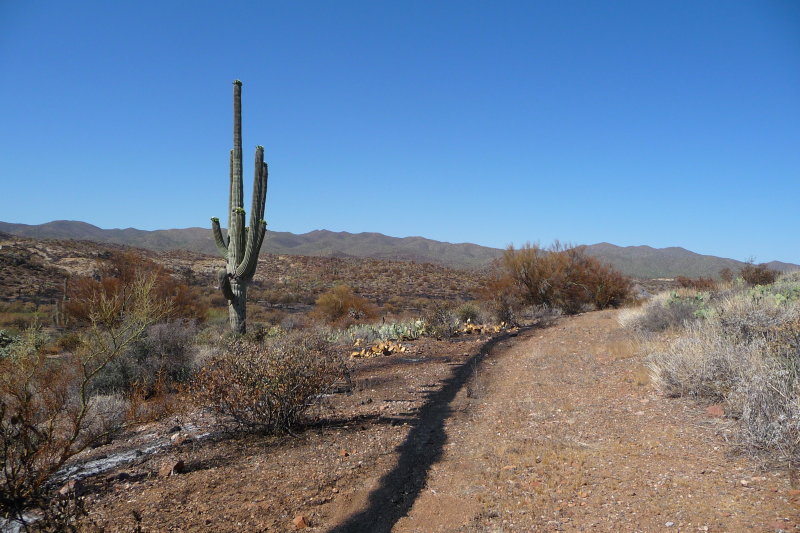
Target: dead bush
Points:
(267, 388)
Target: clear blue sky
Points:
(671, 123)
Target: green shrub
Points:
(267, 388)
(468, 312)
(441, 321)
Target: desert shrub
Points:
(564, 278)
(340, 305)
(758, 274)
(727, 275)
(47, 413)
(69, 342)
(501, 297)
(468, 312)
(745, 353)
(441, 321)
(667, 311)
(6, 340)
(164, 352)
(268, 387)
(119, 272)
(698, 284)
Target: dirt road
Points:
(561, 431)
(556, 429)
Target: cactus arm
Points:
(225, 285)
(255, 233)
(265, 179)
(259, 194)
(252, 238)
(236, 242)
(248, 267)
(219, 240)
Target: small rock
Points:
(744, 483)
(70, 486)
(669, 524)
(171, 468)
(794, 494)
(179, 438)
(300, 522)
(174, 429)
(717, 410)
(344, 453)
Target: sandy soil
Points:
(554, 429)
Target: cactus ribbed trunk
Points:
(241, 246)
(237, 310)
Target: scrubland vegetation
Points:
(737, 344)
(135, 341)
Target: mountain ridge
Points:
(639, 261)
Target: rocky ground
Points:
(553, 429)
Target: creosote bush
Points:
(267, 387)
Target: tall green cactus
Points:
(241, 245)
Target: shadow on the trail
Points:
(422, 448)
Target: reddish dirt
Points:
(556, 429)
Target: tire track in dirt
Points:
(562, 431)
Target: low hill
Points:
(638, 261)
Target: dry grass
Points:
(743, 351)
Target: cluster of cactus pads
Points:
(241, 245)
(469, 328)
(382, 348)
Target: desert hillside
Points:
(637, 261)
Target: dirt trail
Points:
(561, 431)
(556, 429)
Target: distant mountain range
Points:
(639, 261)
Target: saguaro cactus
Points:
(241, 245)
